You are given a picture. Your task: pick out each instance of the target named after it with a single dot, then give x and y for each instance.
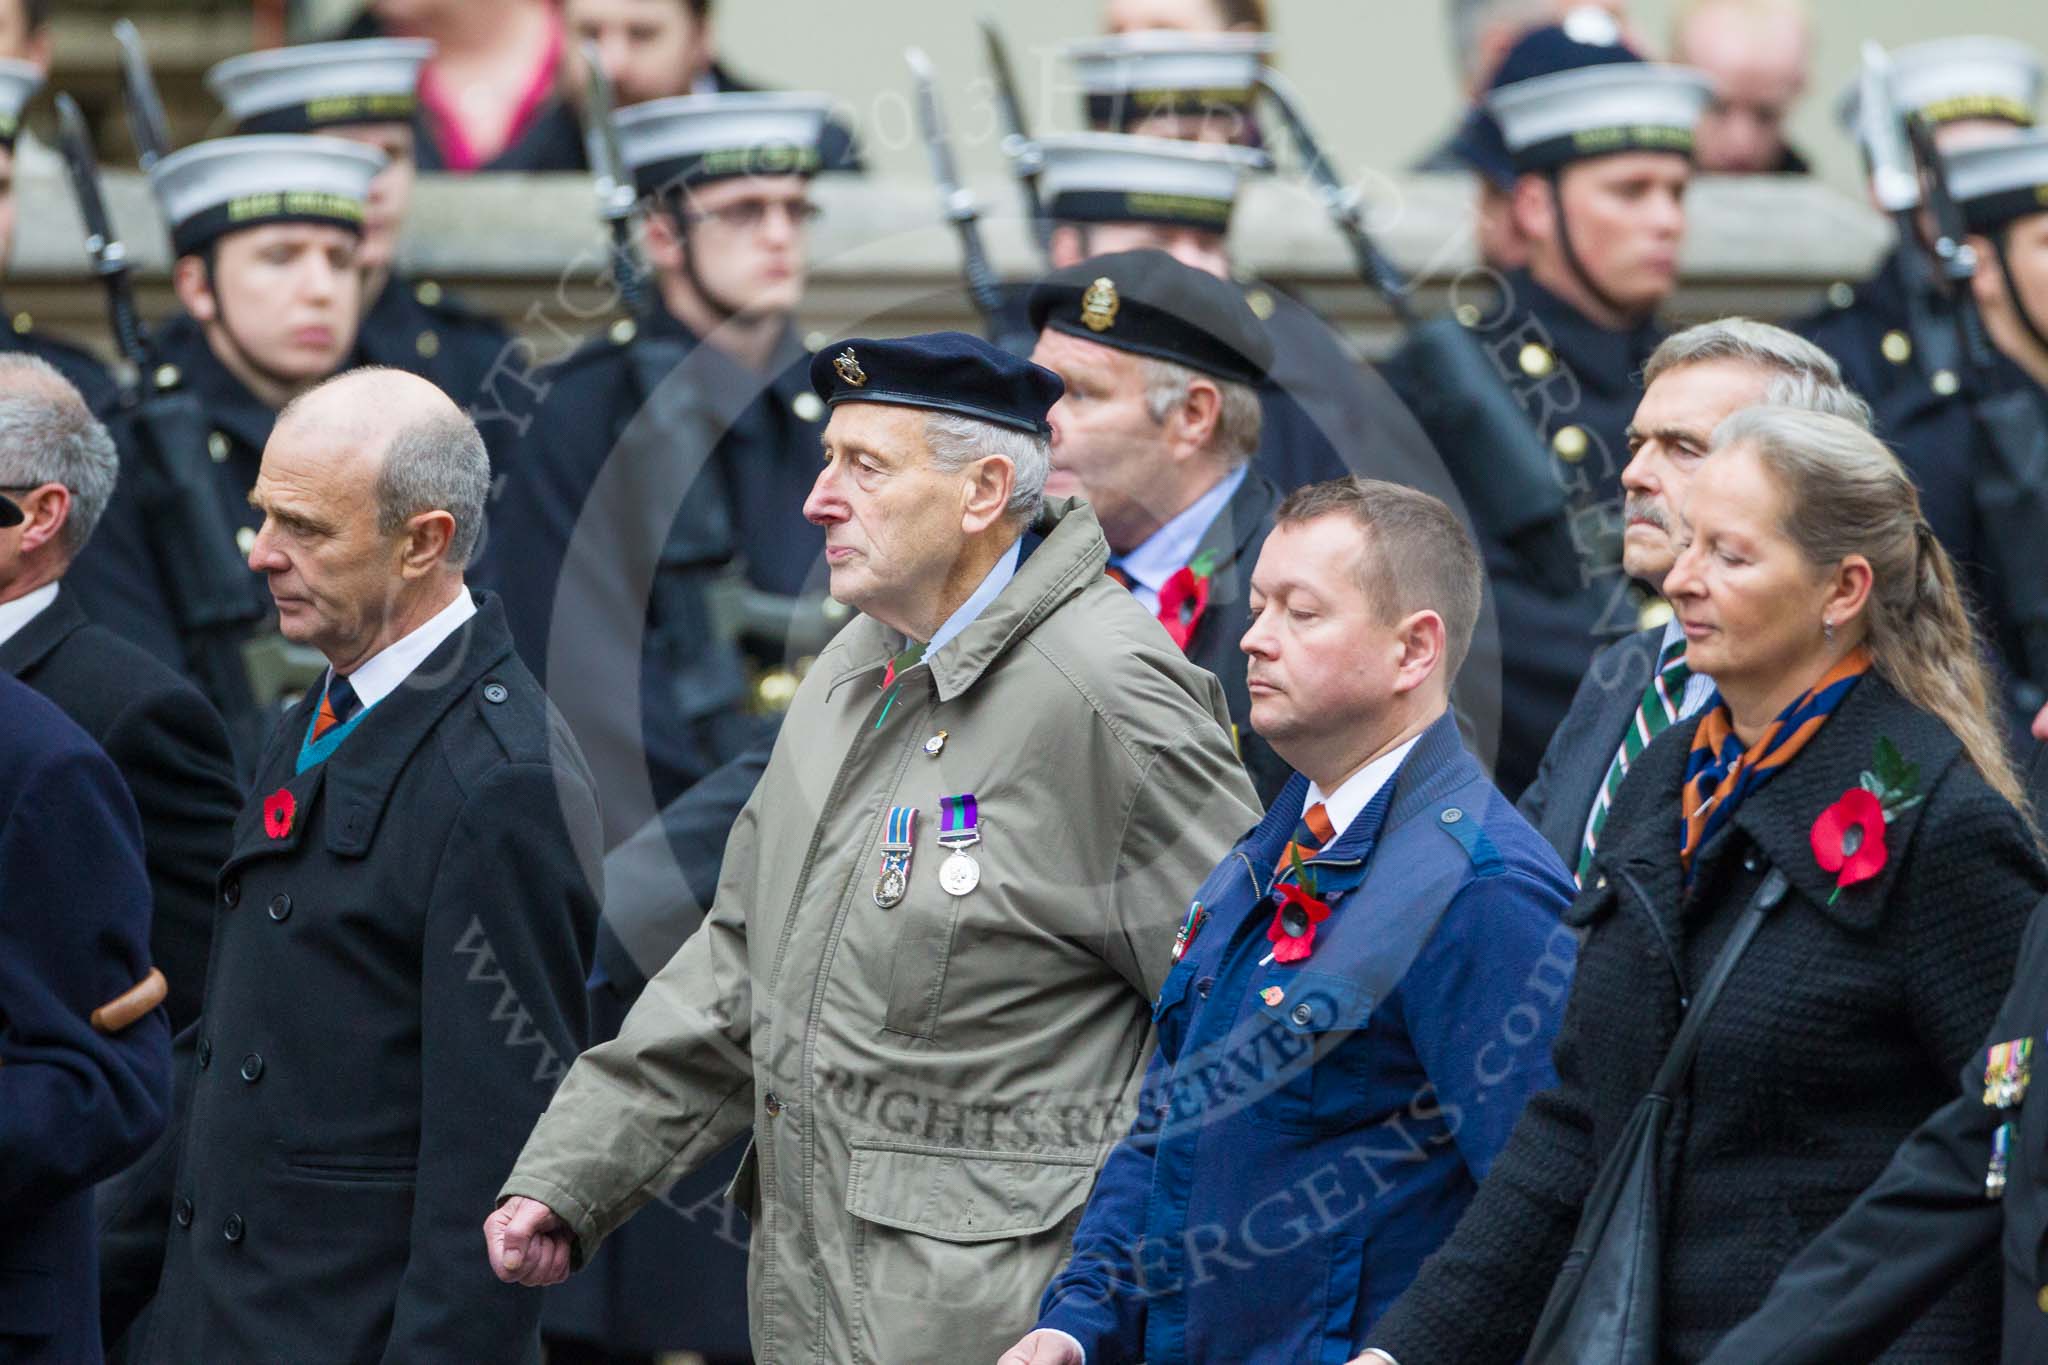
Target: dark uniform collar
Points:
(41, 634)
(789, 363)
(1600, 358)
(229, 405)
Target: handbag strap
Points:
(1686, 1045)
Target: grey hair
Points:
(436, 464)
(1238, 423)
(1802, 375)
(957, 441)
(49, 435)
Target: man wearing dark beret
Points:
(925, 983)
(1157, 430)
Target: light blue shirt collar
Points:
(977, 602)
(1167, 550)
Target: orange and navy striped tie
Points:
(1315, 831)
(337, 704)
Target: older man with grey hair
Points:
(925, 983)
(405, 920)
(1640, 685)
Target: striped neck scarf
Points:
(1720, 773)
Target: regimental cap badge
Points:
(1099, 305)
(849, 368)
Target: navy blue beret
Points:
(1151, 304)
(942, 371)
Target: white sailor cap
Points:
(1592, 111)
(693, 138)
(19, 82)
(1125, 178)
(231, 183)
(2000, 181)
(1135, 76)
(321, 85)
(1971, 77)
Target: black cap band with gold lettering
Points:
(306, 88)
(231, 183)
(690, 139)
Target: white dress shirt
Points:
(24, 609)
(378, 676)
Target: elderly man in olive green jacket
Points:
(925, 983)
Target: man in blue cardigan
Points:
(1364, 992)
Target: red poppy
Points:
(1293, 935)
(1182, 602)
(277, 813)
(1848, 838)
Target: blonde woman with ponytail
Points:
(1851, 695)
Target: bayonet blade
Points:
(956, 199)
(1883, 133)
(601, 141)
(1017, 143)
(146, 121)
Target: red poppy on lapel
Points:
(1293, 930)
(277, 812)
(1184, 598)
(1848, 839)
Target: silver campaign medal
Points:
(959, 874)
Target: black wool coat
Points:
(1844, 1026)
(1927, 1219)
(76, 1104)
(397, 984)
(172, 751)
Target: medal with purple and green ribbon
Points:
(959, 828)
(897, 846)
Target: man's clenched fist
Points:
(527, 1243)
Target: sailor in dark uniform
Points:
(697, 422)
(1600, 142)
(365, 91)
(265, 231)
(19, 82)
(1894, 334)
(2001, 189)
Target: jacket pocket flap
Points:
(964, 1195)
(1174, 988)
(1319, 1002)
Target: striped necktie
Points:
(1315, 831)
(1116, 575)
(1658, 708)
(337, 705)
